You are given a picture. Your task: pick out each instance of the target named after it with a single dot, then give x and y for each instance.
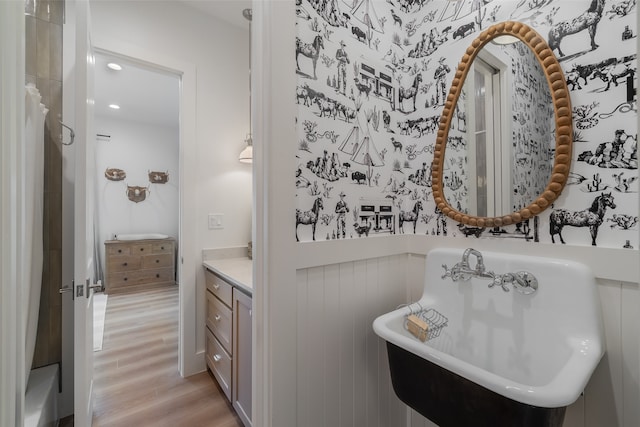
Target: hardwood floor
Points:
(136, 375)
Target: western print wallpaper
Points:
(372, 77)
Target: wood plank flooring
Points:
(136, 379)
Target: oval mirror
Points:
(495, 161)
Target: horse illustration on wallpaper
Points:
(409, 93)
(592, 217)
(310, 50)
(410, 216)
(309, 217)
(587, 21)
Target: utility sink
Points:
(514, 357)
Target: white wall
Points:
(216, 54)
(136, 148)
(12, 336)
(219, 52)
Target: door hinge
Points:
(65, 289)
(80, 290)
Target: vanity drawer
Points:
(139, 277)
(219, 361)
(141, 248)
(219, 320)
(123, 263)
(219, 287)
(162, 248)
(122, 249)
(157, 261)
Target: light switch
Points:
(215, 221)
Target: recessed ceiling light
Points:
(114, 66)
(114, 106)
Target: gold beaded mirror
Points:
(561, 120)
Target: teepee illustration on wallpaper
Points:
(365, 13)
(362, 151)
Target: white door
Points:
(83, 221)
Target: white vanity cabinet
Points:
(228, 341)
(219, 349)
(241, 377)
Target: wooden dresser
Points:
(133, 265)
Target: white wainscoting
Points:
(342, 369)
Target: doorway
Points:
(486, 136)
(137, 166)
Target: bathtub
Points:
(41, 399)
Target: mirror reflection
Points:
(500, 147)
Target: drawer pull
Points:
(125, 264)
(162, 248)
(119, 251)
(217, 317)
(141, 249)
(157, 276)
(217, 358)
(125, 279)
(157, 261)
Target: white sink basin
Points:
(538, 349)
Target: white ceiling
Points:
(146, 95)
(227, 10)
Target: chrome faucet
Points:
(463, 271)
(522, 281)
(479, 261)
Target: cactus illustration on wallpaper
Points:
(596, 184)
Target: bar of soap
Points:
(417, 327)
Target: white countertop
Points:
(237, 271)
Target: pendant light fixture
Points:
(246, 156)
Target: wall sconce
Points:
(246, 156)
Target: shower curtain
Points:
(33, 195)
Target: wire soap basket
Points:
(425, 323)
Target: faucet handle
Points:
(525, 282)
(497, 280)
(501, 281)
(447, 271)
